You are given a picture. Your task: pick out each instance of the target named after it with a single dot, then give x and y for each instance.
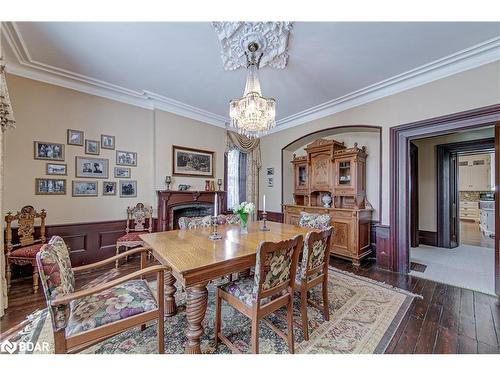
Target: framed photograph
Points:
(84, 188)
(91, 167)
(122, 172)
(127, 158)
(57, 169)
(75, 137)
(128, 189)
(92, 147)
(109, 188)
(108, 142)
(49, 151)
(270, 181)
(270, 171)
(192, 162)
(50, 186)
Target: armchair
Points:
(85, 317)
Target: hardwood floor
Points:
(447, 320)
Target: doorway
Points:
(455, 243)
(398, 249)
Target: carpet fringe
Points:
(380, 283)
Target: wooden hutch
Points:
(330, 168)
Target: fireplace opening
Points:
(190, 210)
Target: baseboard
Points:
(428, 238)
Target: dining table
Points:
(194, 260)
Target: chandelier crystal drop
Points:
(253, 115)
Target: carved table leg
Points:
(196, 306)
(170, 289)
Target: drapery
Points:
(6, 122)
(250, 147)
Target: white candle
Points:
(264, 202)
(216, 204)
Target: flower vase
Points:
(243, 223)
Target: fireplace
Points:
(190, 210)
(174, 204)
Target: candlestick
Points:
(214, 236)
(264, 203)
(216, 204)
(168, 181)
(219, 183)
(264, 227)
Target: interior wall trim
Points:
(469, 58)
(426, 237)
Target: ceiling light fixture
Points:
(253, 115)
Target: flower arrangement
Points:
(243, 210)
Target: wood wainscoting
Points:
(271, 216)
(427, 237)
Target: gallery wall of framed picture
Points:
(87, 169)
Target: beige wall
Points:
(427, 172)
(44, 112)
(370, 138)
(471, 89)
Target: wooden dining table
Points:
(195, 260)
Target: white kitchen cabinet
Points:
(474, 173)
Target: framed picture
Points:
(128, 189)
(127, 158)
(58, 169)
(270, 181)
(84, 188)
(49, 151)
(270, 171)
(50, 186)
(75, 137)
(92, 147)
(192, 162)
(91, 167)
(108, 142)
(109, 188)
(122, 172)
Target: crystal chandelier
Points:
(253, 115)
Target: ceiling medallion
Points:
(272, 38)
(253, 114)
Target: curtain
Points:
(6, 122)
(250, 147)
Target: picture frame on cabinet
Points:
(92, 147)
(56, 169)
(75, 137)
(108, 142)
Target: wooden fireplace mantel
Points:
(168, 199)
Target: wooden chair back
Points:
(276, 267)
(139, 218)
(316, 253)
(26, 228)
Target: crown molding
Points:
(469, 58)
(27, 67)
(473, 57)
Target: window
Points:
(236, 178)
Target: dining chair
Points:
(206, 221)
(267, 291)
(139, 221)
(313, 271)
(22, 250)
(314, 221)
(85, 317)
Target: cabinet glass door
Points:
(344, 176)
(302, 176)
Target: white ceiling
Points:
(180, 61)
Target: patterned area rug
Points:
(364, 316)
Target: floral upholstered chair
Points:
(315, 221)
(83, 318)
(206, 221)
(312, 271)
(139, 221)
(27, 246)
(270, 289)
